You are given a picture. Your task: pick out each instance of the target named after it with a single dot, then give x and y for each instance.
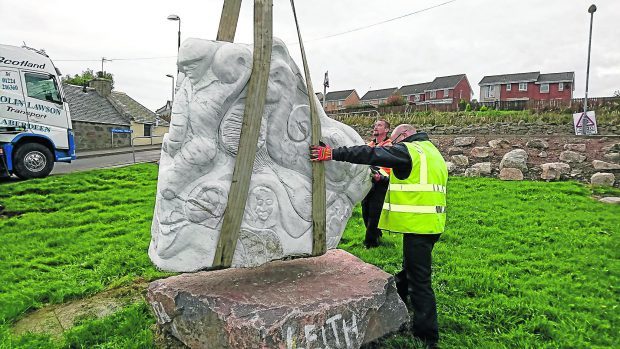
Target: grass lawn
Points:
(521, 265)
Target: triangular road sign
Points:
(589, 122)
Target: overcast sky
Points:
(475, 37)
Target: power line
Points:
(113, 59)
(317, 39)
(382, 22)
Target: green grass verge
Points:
(521, 265)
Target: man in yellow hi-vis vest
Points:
(415, 205)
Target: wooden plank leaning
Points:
(319, 245)
(228, 20)
(252, 116)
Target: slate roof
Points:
(130, 108)
(506, 78)
(379, 94)
(413, 89)
(444, 82)
(338, 95)
(556, 77)
(89, 106)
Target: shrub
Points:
(484, 108)
(462, 105)
(468, 107)
(395, 100)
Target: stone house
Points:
(97, 110)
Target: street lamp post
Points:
(177, 18)
(591, 10)
(171, 77)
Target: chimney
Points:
(102, 86)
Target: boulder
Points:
(483, 167)
(460, 160)
(464, 141)
(472, 172)
(499, 143)
(335, 300)
(613, 157)
(455, 151)
(603, 179)
(614, 200)
(602, 165)
(537, 144)
(510, 174)
(612, 148)
(451, 167)
(515, 159)
(542, 154)
(554, 170)
(575, 147)
(571, 157)
(481, 152)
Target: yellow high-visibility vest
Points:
(417, 204)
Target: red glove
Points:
(320, 152)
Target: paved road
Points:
(105, 161)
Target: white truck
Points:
(35, 123)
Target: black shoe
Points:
(371, 243)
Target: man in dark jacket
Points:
(414, 206)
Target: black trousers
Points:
(371, 210)
(414, 282)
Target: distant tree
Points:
(86, 76)
(396, 99)
(617, 93)
(462, 104)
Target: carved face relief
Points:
(263, 207)
(200, 150)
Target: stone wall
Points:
(90, 136)
(547, 151)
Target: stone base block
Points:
(335, 300)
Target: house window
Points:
(490, 91)
(147, 130)
(446, 92)
(523, 86)
(544, 88)
(433, 94)
(416, 98)
(508, 87)
(561, 86)
(339, 103)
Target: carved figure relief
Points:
(198, 158)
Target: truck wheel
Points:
(33, 160)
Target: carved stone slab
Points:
(332, 301)
(198, 157)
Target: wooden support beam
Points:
(228, 20)
(319, 244)
(250, 129)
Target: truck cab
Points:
(35, 122)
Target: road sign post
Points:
(585, 123)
